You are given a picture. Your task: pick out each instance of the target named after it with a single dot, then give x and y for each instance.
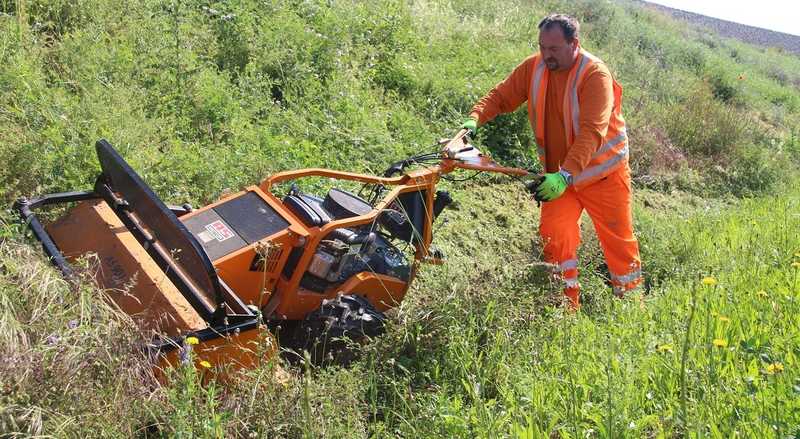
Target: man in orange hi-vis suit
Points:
(575, 110)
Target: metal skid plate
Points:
(121, 265)
(150, 264)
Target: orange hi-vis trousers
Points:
(608, 203)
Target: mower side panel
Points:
(226, 354)
(253, 272)
(383, 292)
(259, 235)
(134, 281)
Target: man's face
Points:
(557, 52)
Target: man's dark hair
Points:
(567, 24)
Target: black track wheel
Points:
(327, 332)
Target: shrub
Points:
(511, 141)
(653, 153)
(52, 18)
(213, 104)
(703, 127)
(751, 171)
(391, 74)
(722, 87)
(232, 30)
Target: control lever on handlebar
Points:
(394, 169)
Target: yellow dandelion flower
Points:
(192, 340)
(664, 348)
(724, 319)
(720, 343)
(761, 293)
(709, 280)
(796, 264)
(774, 368)
(205, 364)
(797, 255)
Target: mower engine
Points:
(345, 251)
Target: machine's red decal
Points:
(219, 230)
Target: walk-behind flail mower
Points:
(229, 273)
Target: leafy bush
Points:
(52, 18)
(704, 127)
(752, 172)
(722, 87)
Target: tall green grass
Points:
(481, 347)
(489, 357)
(204, 98)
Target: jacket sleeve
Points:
(596, 98)
(506, 96)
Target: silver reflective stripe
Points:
(566, 265)
(602, 167)
(628, 278)
(574, 95)
(571, 282)
(536, 84)
(611, 143)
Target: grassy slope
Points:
(201, 99)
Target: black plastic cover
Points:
(408, 221)
(251, 217)
(342, 204)
(308, 209)
(216, 236)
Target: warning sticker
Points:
(219, 231)
(205, 237)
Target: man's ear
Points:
(576, 43)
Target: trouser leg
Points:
(608, 203)
(560, 231)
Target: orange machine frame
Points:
(291, 301)
(237, 338)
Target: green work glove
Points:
(552, 186)
(472, 125)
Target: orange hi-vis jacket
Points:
(606, 153)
